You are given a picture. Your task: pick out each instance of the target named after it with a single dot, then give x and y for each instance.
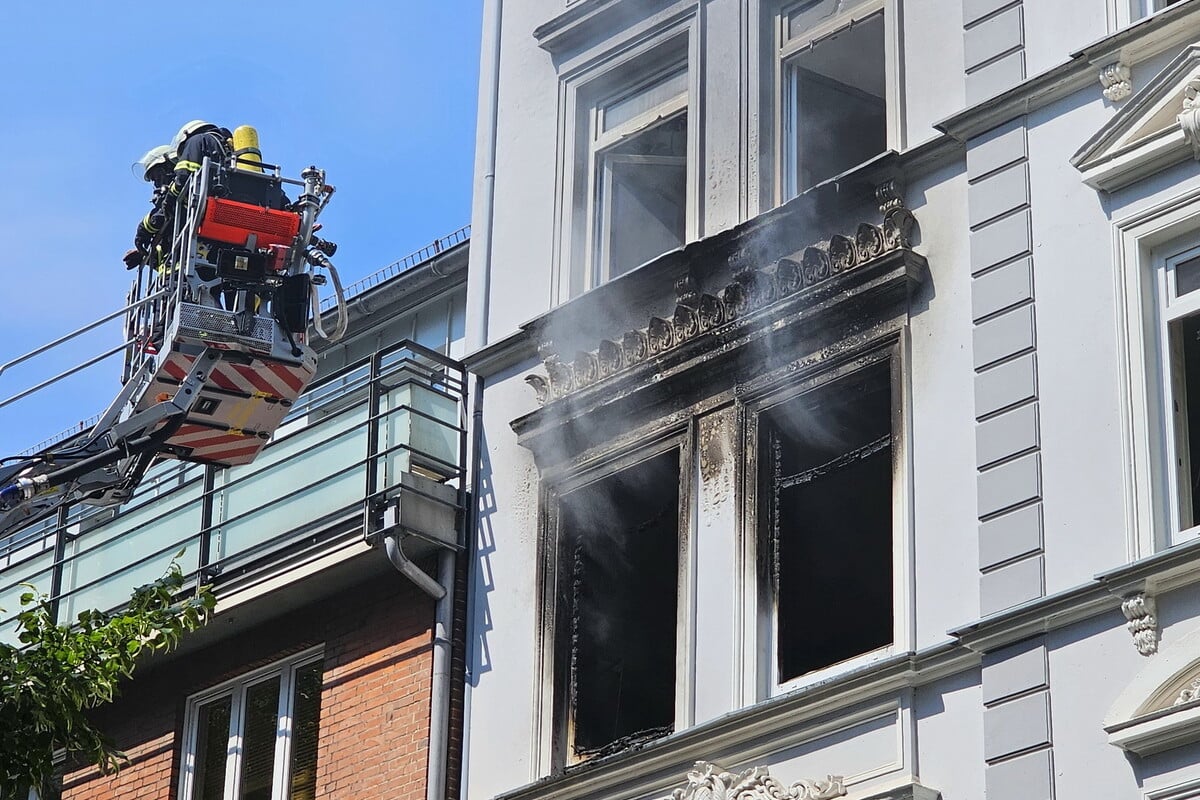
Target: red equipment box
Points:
(231, 222)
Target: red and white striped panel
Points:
(216, 446)
(248, 404)
(280, 381)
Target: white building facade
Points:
(836, 363)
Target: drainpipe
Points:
(479, 279)
(439, 690)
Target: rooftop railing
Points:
(437, 247)
(340, 453)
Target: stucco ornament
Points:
(1116, 80)
(1189, 117)
(751, 290)
(710, 782)
(1189, 693)
(1142, 613)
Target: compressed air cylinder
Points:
(245, 148)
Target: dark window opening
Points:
(828, 466)
(621, 539)
(837, 117)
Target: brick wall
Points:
(374, 703)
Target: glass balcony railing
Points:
(340, 452)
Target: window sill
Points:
(832, 672)
(795, 717)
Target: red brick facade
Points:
(374, 731)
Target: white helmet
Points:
(155, 156)
(195, 126)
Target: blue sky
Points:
(380, 94)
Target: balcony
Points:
(387, 433)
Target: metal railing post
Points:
(206, 523)
(373, 397)
(60, 555)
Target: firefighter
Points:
(156, 166)
(196, 140)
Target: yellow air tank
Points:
(245, 148)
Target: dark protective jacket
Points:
(213, 144)
(156, 219)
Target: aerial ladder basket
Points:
(216, 344)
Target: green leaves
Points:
(47, 686)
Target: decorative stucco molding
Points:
(710, 782)
(1189, 117)
(1142, 613)
(1116, 78)
(1156, 127)
(1189, 693)
(697, 312)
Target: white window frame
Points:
(761, 661)
(1171, 309)
(1123, 13)
(788, 46)
(588, 83)
(599, 175)
(1143, 243)
(285, 670)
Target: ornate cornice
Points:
(709, 782)
(698, 313)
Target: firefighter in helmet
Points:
(195, 141)
(156, 167)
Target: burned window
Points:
(835, 111)
(826, 459)
(620, 544)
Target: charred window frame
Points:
(616, 535)
(836, 68)
(831, 520)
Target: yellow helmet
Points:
(155, 156)
(195, 126)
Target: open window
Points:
(834, 111)
(618, 597)
(639, 170)
(826, 521)
(1179, 331)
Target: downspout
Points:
(476, 313)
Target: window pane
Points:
(829, 468)
(808, 15)
(306, 718)
(837, 117)
(642, 100)
(212, 749)
(644, 191)
(1187, 276)
(262, 726)
(621, 536)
